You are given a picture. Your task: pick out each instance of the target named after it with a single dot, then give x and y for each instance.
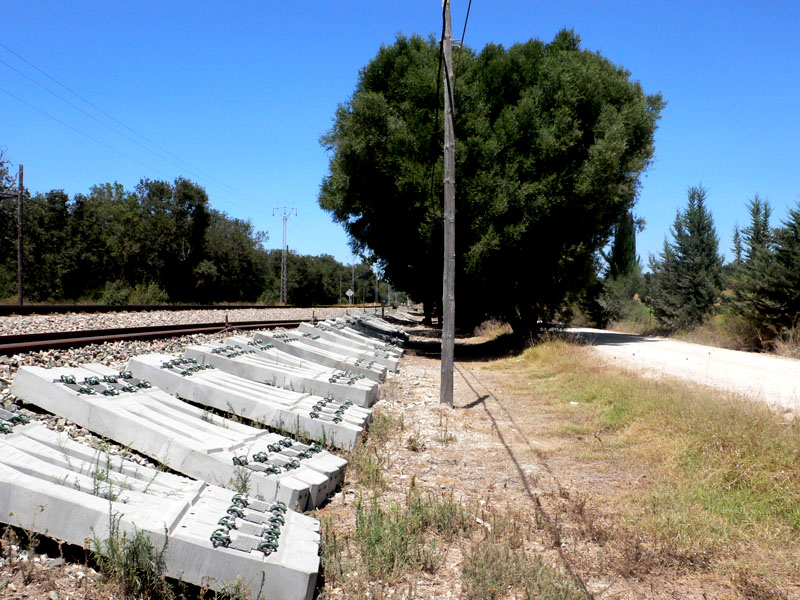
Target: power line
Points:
(201, 173)
(436, 112)
(103, 144)
(79, 132)
(463, 36)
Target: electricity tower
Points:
(285, 214)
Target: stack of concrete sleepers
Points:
(372, 325)
(57, 487)
(329, 335)
(306, 348)
(344, 326)
(261, 364)
(331, 353)
(313, 417)
(181, 436)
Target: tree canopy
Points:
(551, 140)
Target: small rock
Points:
(53, 595)
(56, 562)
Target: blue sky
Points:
(239, 93)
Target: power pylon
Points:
(287, 212)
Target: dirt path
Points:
(770, 378)
(502, 451)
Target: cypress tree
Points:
(623, 251)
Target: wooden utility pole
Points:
(19, 235)
(448, 278)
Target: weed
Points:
(383, 427)
(415, 442)
(237, 590)
(497, 561)
(367, 466)
(132, 562)
(394, 539)
(443, 437)
(30, 543)
(241, 479)
(391, 541)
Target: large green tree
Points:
(686, 277)
(551, 140)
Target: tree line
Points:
(159, 242)
(755, 297)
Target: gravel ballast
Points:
(27, 324)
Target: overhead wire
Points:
(435, 133)
(79, 132)
(247, 202)
(118, 121)
(101, 122)
(252, 204)
(463, 36)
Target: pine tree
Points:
(767, 294)
(752, 296)
(737, 246)
(783, 279)
(686, 278)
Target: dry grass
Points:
(723, 473)
(492, 329)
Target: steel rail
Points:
(12, 344)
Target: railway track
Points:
(12, 344)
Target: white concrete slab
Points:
(259, 365)
(346, 326)
(179, 435)
(297, 345)
(54, 486)
(373, 325)
(331, 330)
(312, 417)
(364, 357)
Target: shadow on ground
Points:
(596, 337)
(499, 347)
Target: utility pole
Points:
(19, 195)
(287, 212)
(448, 277)
(19, 235)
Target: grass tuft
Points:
(497, 562)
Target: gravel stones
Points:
(27, 324)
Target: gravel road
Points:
(766, 377)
